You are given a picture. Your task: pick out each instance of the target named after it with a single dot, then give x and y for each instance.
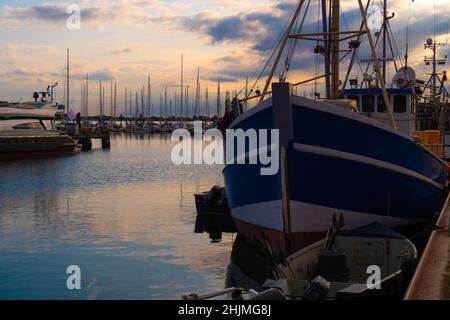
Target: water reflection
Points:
(125, 216)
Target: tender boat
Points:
(342, 265)
(370, 262)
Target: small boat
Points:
(340, 266)
(213, 213)
(370, 262)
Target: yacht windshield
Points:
(21, 125)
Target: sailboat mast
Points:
(335, 50)
(182, 89)
(87, 98)
(137, 103)
(111, 98)
(218, 99)
(208, 113)
(197, 94)
(126, 102)
(149, 96)
(143, 105)
(68, 82)
(165, 101)
(115, 99)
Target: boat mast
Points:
(115, 99)
(327, 48)
(87, 98)
(197, 94)
(68, 82)
(335, 49)
(111, 98)
(165, 103)
(101, 101)
(149, 97)
(182, 89)
(208, 113)
(218, 99)
(383, 60)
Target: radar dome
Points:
(405, 77)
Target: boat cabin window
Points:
(356, 99)
(30, 125)
(381, 105)
(400, 104)
(368, 103)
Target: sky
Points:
(125, 40)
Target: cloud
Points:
(242, 27)
(96, 14)
(99, 75)
(120, 51)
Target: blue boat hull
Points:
(338, 162)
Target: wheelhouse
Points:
(371, 103)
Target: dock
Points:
(430, 277)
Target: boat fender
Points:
(408, 268)
(271, 294)
(318, 288)
(333, 266)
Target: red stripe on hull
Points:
(283, 246)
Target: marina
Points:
(314, 168)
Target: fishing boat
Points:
(333, 157)
(26, 130)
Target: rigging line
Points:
(264, 68)
(291, 54)
(288, 55)
(407, 36)
(355, 55)
(391, 40)
(371, 56)
(348, 29)
(274, 47)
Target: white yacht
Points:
(27, 129)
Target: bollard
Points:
(106, 143)
(86, 144)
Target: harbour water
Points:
(125, 216)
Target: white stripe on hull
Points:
(307, 217)
(364, 160)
